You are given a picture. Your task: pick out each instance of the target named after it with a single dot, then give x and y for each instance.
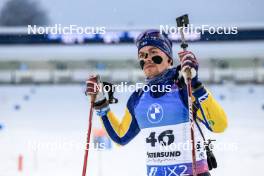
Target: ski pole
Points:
(88, 137)
(182, 22)
(111, 100)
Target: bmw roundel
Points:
(155, 113)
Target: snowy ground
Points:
(55, 118)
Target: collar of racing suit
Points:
(168, 77)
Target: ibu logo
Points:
(155, 113)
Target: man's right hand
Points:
(94, 88)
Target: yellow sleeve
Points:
(122, 127)
(120, 132)
(214, 114)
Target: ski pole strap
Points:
(196, 107)
(195, 120)
(205, 122)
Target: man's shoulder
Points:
(134, 98)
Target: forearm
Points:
(208, 109)
(211, 111)
(120, 132)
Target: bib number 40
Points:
(165, 138)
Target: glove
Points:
(94, 88)
(188, 60)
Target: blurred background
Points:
(43, 109)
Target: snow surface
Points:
(55, 117)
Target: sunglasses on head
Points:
(151, 34)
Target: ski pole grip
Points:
(183, 22)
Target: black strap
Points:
(195, 120)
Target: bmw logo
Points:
(155, 113)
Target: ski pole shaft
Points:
(189, 89)
(182, 22)
(88, 139)
(188, 81)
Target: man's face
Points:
(150, 68)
